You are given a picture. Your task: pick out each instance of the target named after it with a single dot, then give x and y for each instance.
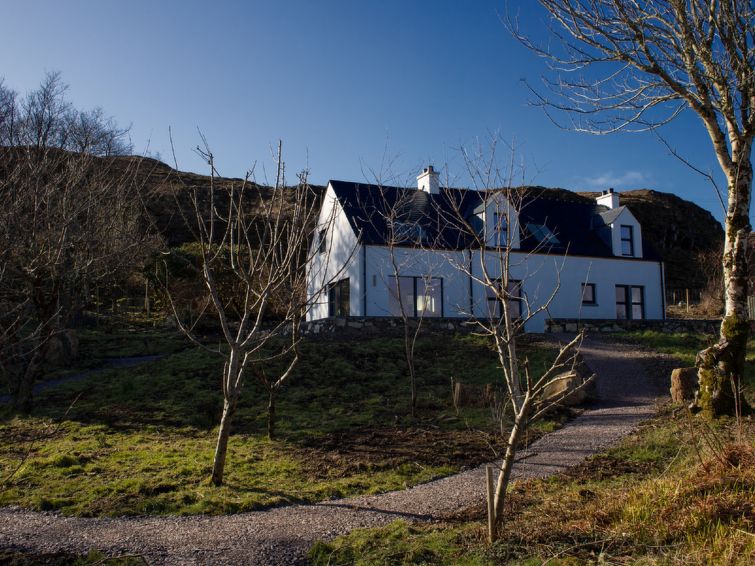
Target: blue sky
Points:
(338, 81)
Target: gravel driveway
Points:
(283, 535)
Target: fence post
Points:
(491, 506)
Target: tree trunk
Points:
(23, 395)
(721, 366)
(505, 473)
(218, 463)
(271, 414)
(409, 356)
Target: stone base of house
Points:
(389, 326)
(381, 326)
(670, 325)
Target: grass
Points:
(678, 491)
(140, 440)
(96, 348)
(651, 500)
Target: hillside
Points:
(678, 229)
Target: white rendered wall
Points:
(542, 275)
(416, 263)
(341, 259)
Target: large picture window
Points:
(338, 298)
(630, 302)
(418, 296)
(515, 300)
(627, 240)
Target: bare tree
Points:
(44, 118)
(656, 59)
(487, 221)
(261, 238)
(67, 222)
(409, 220)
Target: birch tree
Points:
(630, 65)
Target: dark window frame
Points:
(322, 241)
(594, 300)
(518, 299)
(415, 296)
(339, 303)
(500, 230)
(628, 240)
(628, 302)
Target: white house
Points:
(592, 256)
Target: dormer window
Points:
(501, 230)
(627, 240)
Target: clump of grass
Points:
(401, 543)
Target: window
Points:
(501, 230)
(627, 240)
(418, 296)
(630, 302)
(543, 234)
(322, 240)
(338, 298)
(588, 294)
(515, 300)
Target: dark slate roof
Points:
(612, 214)
(581, 227)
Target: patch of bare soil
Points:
(378, 448)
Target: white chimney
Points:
(428, 181)
(609, 199)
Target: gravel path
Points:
(283, 535)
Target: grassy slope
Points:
(676, 492)
(140, 440)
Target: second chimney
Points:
(609, 198)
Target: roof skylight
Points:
(543, 234)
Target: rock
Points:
(62, 348)
(571, 381)
(683, 384)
